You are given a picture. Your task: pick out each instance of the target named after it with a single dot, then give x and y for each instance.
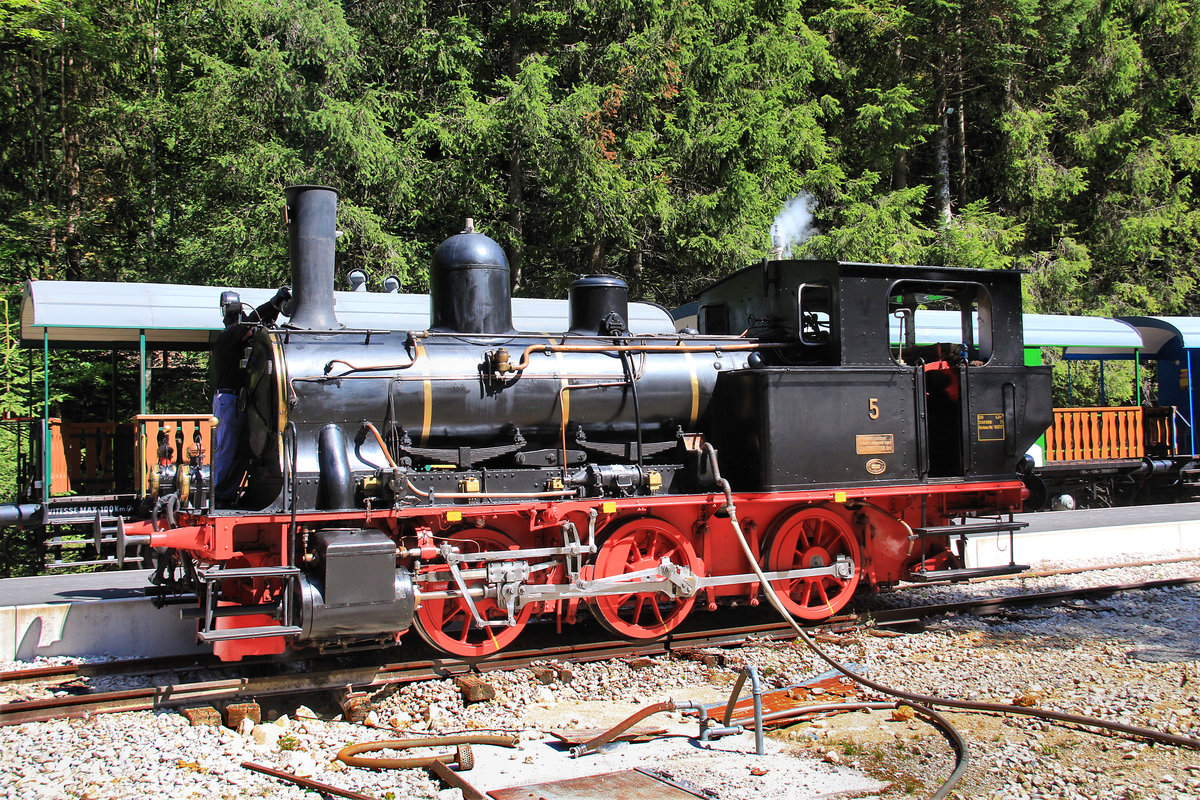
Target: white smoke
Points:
(793, 224)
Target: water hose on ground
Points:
(349, 753)
(621, 727)
(438, 765)
(913, 697)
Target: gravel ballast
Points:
(1133, 658)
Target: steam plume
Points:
(793, 224)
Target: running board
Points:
(966, 573)
(977, 529)
(260, 632)
(103, 562)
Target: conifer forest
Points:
(150, 140)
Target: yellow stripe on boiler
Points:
(564, 396)
(427, 396)
(691, 365)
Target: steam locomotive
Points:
(467, 479)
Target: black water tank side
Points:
(468, 286)
(599, 304)
(312, 241)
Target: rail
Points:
(164, 694)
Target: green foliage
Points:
(1082, 384)
(979, 238)
(654, 141)
(884, 229)
(1057, 277)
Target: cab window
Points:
(940, 321)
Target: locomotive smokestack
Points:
(312, 236)
(468, 285)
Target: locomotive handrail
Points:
(922, 428)
(679, 346)
(968, 452)
(290, 443)
(675, 336)
(432, 496)
(355, 368)
(639, 348)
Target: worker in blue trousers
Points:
(230, 451)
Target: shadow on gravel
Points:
(1162, 624)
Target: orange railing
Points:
(1162, 430)
(1085, 434)
(60, 473)
(90, 456)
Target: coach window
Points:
(815, 302)
(940, 321)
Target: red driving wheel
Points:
(808, 538)
(634, 546)
(449, 625)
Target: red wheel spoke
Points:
(813, 538)
(658, 548)
(449, 624)
(635, 546)
(639, 605)
(640, 550)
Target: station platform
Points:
(1093, 533)
(98, 613)
(108, 613)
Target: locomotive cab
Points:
(870, 397)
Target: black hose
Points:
(956, 740)
(914, 697)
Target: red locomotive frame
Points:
(872, 526)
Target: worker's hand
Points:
(282, 296)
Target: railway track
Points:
(375, 677)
